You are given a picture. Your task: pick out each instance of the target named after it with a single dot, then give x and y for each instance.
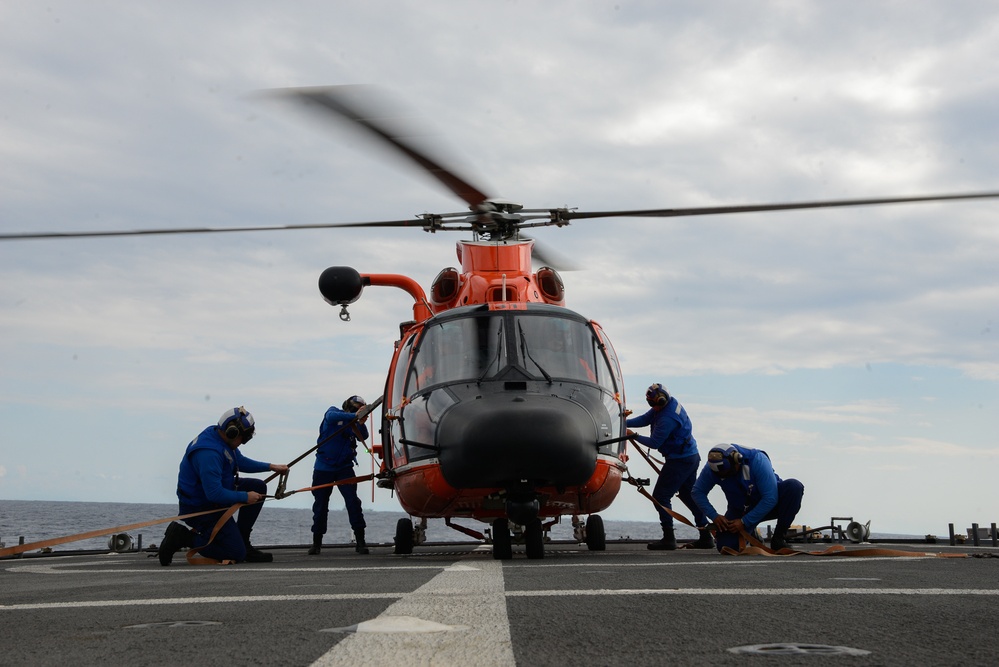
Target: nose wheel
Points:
(404, 537)
(502, 541)
(534, 539)
(533, 536)
(596, 538)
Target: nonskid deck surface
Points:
(454, 604)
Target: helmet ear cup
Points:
(735, 457)
(237, 424)
(657, 396)
(723, 460)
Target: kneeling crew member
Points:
(209, 479)
(754, 493)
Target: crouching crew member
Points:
(754, 493)
(335, 459)
(209, 479)
(672, 435)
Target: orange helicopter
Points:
(501, 404)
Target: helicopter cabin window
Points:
(455, 350)
(420, 424)
(399, 376)
(615, 365)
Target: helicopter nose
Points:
(498, 441)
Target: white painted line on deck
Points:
(449, 595)
(397, 624)
(72, 566)
(755, 591)
(221, 599)
(181, 567)
(462, 596)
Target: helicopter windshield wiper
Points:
(527, 352)
(495, 359)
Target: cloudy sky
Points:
(859, 347)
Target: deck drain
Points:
(171, 624)
(797, 649)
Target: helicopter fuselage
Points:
(500, 401)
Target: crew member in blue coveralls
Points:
(209, 479)
(672, 435)
(754, 493)
(335, 459)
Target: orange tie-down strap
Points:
(191, 554)
(21, 548)
(750, 546)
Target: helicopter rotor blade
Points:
(754, 208)
(346, 102)
(558, 217)
(415, 222)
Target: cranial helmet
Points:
(237, 422)
(724, 459)
(657, 396)
(353, 404)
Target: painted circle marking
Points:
(796, 648)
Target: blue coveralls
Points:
(335, 460)
(754, 494)
(209, 479)
(672, 435)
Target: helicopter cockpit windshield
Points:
(481, 346)
(543, 361)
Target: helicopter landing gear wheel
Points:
(404, 537)
(596, 538)
(534, 539)
(502, 542)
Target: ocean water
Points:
(37, 520)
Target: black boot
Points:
(361, 547)
(176, 538)
(255, 555)
(705, 540)
(317, 545)
(668, 543)
(777, 540)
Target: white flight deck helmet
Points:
(237, 422)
